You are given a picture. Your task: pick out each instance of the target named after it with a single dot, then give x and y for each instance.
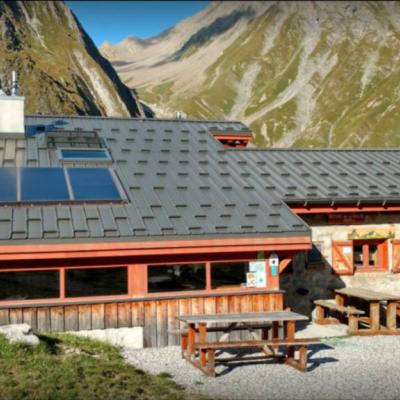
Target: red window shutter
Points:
(342, 257)
(396, 256)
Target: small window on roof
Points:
(84, 155)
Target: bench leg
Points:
(319, 314)
(301, 363)
(374, 315)
(391, 316)
(353, 324)
(203, 357)
(211, 362)
(302, 358)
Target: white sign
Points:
(273, 260)
(251, 279)
(259, 269)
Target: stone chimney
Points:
(12, 117)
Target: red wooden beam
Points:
(162, 247)
(343, 209)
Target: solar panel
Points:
(8, 184)
(43, 184)
(93, 184)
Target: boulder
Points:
(19, 333)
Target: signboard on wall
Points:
(259, 269)
(345, 219)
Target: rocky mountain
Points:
(60, 69)
(299, 73)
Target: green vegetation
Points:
(60, 70)
(66, 367)
(318, 77)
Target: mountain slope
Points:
(299, 73)
(60, 69)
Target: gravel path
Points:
(346, 368)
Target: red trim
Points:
(342, 209)
(227, 136)
(126, 249)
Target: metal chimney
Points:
(12, 117)
(14, 85)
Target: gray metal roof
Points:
(183, 184)
(180, 181)
(326, 175)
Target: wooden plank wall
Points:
(157, 317)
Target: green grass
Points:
(67, 367)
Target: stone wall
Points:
(306, 282)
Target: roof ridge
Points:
(131, 118)
(316, 149)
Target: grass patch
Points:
(69, 367)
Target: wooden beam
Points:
(284, 263)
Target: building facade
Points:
(108, 222)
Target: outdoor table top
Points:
(268, 316)
(366, 294)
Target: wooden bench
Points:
(184, 332)
(208, 360)
(352, 313)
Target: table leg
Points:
(374, 315)
(391, 316)
(340, 300)
(290, 329)
(203, 339)
(191, 339)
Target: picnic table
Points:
(374, 299)
(200, 351)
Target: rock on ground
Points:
(19, 333)
(130, 338)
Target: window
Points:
(93, 184)
(229, 275)
(176, 278)
(29, 285)
(370, 254)
(96, 282)
(84, 155)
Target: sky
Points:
(115, 20)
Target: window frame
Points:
(208, 289)
(64, 160)
(62, 299)
(383, 260)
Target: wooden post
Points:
(391, 312)
(202, 340)
(374, 315)
(191, 338)
(339, 299)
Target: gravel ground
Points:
(340, 368)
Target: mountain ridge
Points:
(60, 69)
(306, 74)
